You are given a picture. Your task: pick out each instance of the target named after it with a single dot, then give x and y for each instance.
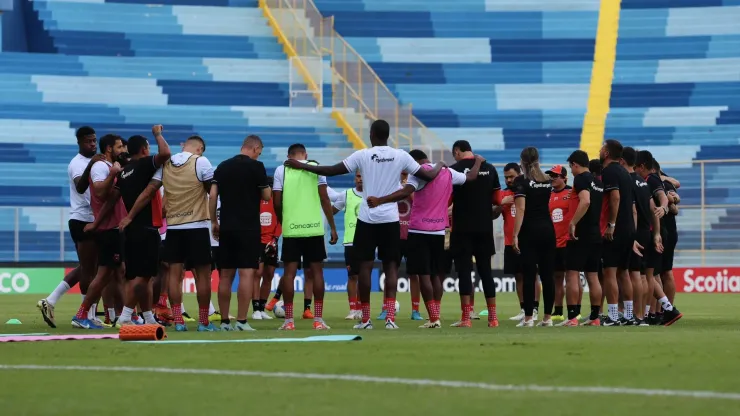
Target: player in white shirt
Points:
(377, 227)
(80, 215)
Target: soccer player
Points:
(138, 183)
(240, 183)
(644, 167)
(349, 201)
(645, 238)
(108, 210)
(300, 198)
(377, 227)
(671, 232)
(270, 231)
(559, 204)
(512, 260)
(427, 226)
(472, 235)
(618, 225)
(80, 215)
(583, 253)
(535, 229)
(187, 179)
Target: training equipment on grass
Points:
(149, 332)
(279, 309)
(13, 322)
(57, 338)
(31, 334)
(318, 338)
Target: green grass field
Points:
(700, 353)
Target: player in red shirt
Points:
(512, 261)
(559, 204)
(271, 230)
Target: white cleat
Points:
(226, 327)
(390, 324)
(435, 324)
(265, 316)
(257, 315)
(518, 317)
(544, 323)
(526, 324)
(98, 322)
(243, 327)
(364, 325)
(535, 315)
(136, 319)
(474, 315)
(351, 317)
(47, 312)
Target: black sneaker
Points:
(642, 322)
(670, 317)
(603, 317)
(609, 322)
(652, 320)
(659, 318)
(628, 322)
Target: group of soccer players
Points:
(616, 224)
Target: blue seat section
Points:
(211, 68)
(499, 73)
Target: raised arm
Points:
(473, 173)
(163, 149)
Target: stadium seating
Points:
(505, 74)
(123, 66)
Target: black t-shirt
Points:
(617, 179)
(656, 186)
(131, 182)
(669, 221)
(641, 196)
(240, 182)
(537, 213)
(472, 200)
(587, 229)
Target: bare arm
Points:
(663, 208)
(144, 198)
(520, 204)
(429, 175)
(584, 201)
(613, 206)
(473, 173)
(277, 201)
(676, 184)
(399, 195)
(656, 220)
(103, 189)
(327, 208)
(335, 170)
(213, 203)
(266, 194)
(82, 182)
(634, 214)
(105, 210)
(163, 149)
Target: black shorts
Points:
(239, 249)
(309, 249)
(617, 253)
(77, 231)
(269, 260)
(426, 254)
(466, 245)
(161, 249)
(110, 248)
(448, 260)
(637, 263)
(560, 256)
(583, 256)
(512, 261)
(350, 260)
(403, 250)
(385, 237)
(141, 251)
(669, 251)
(653, 259)
(192, 245)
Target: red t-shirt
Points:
(509, 214)
(560, 214)
(271, 227)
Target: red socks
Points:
(492, 313)
(365, 312)
(466, 310)
(318, 309)
(288, 310)
(390, 309)
(354, 305)
(177, 314)
(82, 312)
(203, 316)
(415, 304)
(162, 300)
(433, 308)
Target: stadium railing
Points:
(355, 85)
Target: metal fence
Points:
(708, 222)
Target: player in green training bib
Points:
(349, 201)
(300, 197)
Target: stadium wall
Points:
(43, 280)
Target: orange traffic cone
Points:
(149, 332)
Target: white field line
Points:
(695, 394)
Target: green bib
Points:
(301, 204)
(351, 211)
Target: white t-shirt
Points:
(100, 171)
(381, 168)
(279, 178)
(204, 172)
(458, 178)
(214, 242)
(79, 204)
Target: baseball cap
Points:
(558, 170)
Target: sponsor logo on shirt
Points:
(304, 226)
(597, 188)
(180, 214)
(265, 219)
(533, 184)
(640, 184)
(432, 220)
(557, 215)
(377, 159)
(125, 175)
(480, 172)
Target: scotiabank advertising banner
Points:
(504, 283)
(707, 279)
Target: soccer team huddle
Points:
(139, 221)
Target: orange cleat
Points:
(493, 324)
(287, 326)
(307, 314)
(163, 312)
(462, 324)
(571, 322)
(271, 304)
(319, 326)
